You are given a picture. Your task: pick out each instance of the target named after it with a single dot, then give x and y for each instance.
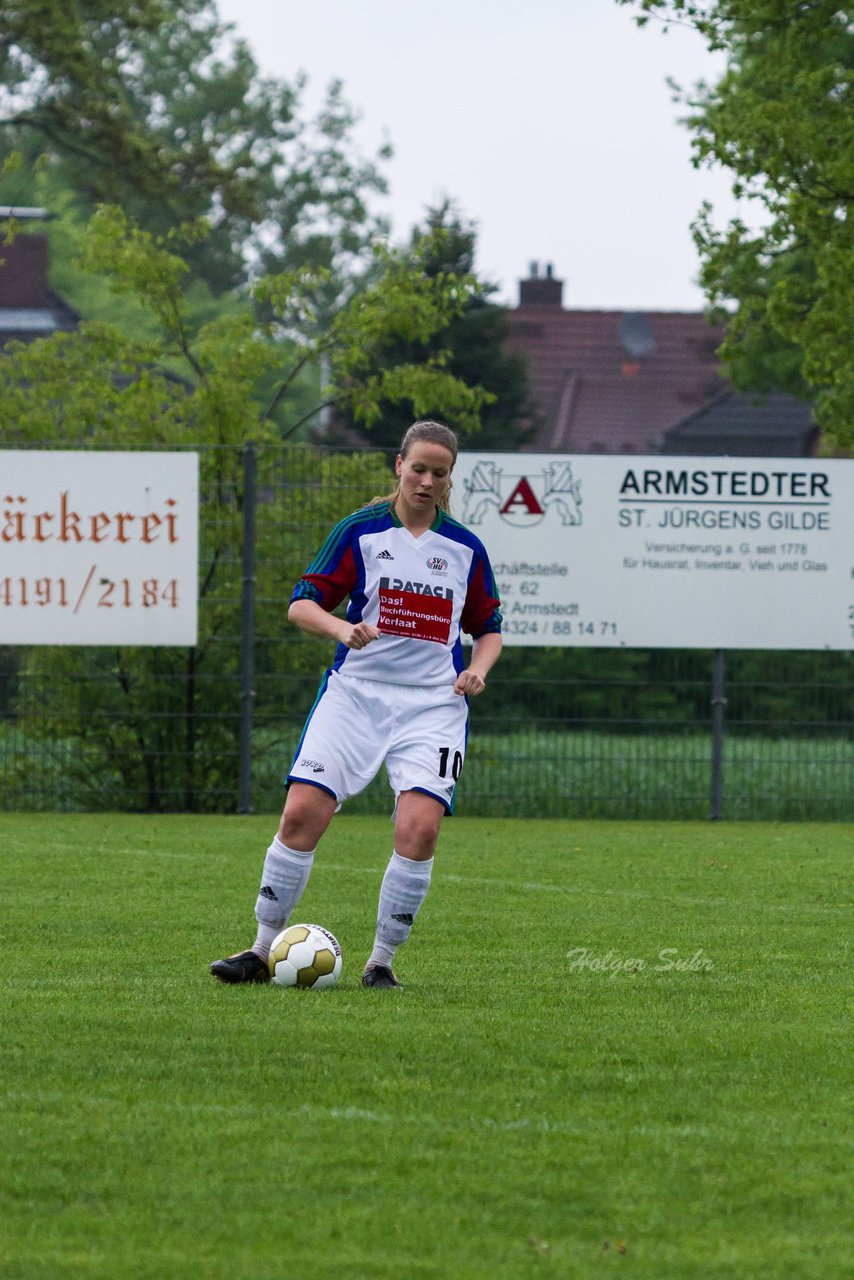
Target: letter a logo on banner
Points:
(522, 501)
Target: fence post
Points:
(247, 633)
(718, 716)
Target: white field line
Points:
(357, 1115)
(535, 886)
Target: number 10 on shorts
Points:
(456, 763)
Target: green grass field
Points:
(523, 1108)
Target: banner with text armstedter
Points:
(666, 552)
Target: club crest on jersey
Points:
(438, 565)
(522, 499)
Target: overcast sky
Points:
(550, 122)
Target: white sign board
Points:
(98, 548)
(666, 552)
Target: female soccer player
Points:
(396, 692)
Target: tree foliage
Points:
(782, 120)
(156, 107)
(470, 345)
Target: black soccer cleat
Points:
(246, 966)
(379, 975)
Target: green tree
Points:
(471, 345)
(157, 728)
(781, 120)
(157, 107)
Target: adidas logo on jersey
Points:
(384, 555)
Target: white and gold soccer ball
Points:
(305, 955)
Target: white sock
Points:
(403, 890)
(285, 875)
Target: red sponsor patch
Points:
(405, 613)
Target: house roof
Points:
(746, 425)
(613, 381)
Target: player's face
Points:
(424, 474)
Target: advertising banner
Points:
(666, 552)
(98, 548)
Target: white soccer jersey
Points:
(419, 592)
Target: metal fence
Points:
(559, 732)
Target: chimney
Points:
(23, 272)
(541, 291)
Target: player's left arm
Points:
(481, 618)
(485, 653)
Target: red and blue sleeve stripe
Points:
(337, 568)
(481, 613)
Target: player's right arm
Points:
(329, 578)
(313, 618)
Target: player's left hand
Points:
(469, 682)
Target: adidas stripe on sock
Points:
(283, 880)
(403, 890)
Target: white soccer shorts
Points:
(357, 725)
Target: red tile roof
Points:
(594, 395)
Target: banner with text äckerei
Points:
(666, 552)
(98, 548)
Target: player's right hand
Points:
(359, 635)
